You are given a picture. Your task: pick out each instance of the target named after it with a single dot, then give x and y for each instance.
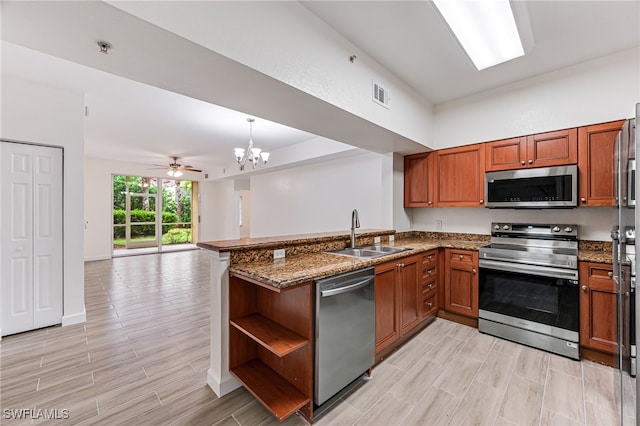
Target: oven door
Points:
(536, 298)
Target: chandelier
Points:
(256, 156)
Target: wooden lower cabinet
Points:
(270, 345)
(430, 284)
(403, 298)
(598, 307)
(461, 282)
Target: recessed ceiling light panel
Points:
(486, 29)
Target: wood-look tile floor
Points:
(142, 358)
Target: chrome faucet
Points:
(355, 223)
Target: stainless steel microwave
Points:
(539, 188)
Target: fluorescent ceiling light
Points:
(485, 28)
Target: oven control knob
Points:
(496, 227)
(505, 227)
(568, 229)
(556, 229)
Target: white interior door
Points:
(30, 237)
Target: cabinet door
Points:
(598, 307)
(410, 292)
(460, 176)
(506, 154)
(418, 172)
(461, 282)
(553, 148)
(596, 163)
(386, 305)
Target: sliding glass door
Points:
(151, 215)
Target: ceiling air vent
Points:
(380, 95)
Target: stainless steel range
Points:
(529, 290)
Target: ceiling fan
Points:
(175, 169)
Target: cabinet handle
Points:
(610, 274)
(530, 161)
(584, 287)
(430, 271)
(429, 257)
(522, 162)
(473, 270)
(583, 200)
(430, 285)
(481, 201)
(461, 257)
(430, 202)
(429, 304)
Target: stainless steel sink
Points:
(368, 252)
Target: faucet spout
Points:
(355, 223)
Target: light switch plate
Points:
(278, 254)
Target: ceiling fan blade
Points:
(157, 168)
(190, 169)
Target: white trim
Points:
(75, 318)
(92, 258)
(222, 387)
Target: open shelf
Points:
(275, 393)
(269, 334)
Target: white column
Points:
(218, 378)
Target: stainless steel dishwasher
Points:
(344, 331)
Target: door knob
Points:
(584, 287)
(522, 162)
(583, 200)
(473, 270)
(530, 161)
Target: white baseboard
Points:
(224, 387)
(92, 258)
(75, 318)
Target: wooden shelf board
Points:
(271, 389)
(271, 335)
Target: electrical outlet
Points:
(376, 240)
(438, 224)
(392, 238)
(278, 254)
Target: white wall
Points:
(98, 201)
(597, 91)
(320, 197)
(594, 223)
(43, 115)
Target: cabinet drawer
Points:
(461, 256)
(429, 302)
(600, 275)
(430, 286)
(430, 258)
(429, 273)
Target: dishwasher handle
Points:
(348, 287)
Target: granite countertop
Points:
(279, 241)
(294, 270)
(595, 256)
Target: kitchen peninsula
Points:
(270, 304)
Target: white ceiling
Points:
(131, 121)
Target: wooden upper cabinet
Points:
(553, 148)
(506, 154)
(459, 176)
(596, 163)
(544, 149)
(418, 177)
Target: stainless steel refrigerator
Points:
(624, 268)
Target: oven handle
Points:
(543, 271)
